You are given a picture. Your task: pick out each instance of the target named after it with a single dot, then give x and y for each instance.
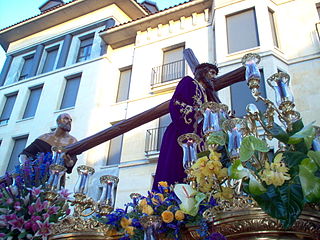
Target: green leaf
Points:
(278, 133)
(315, 156)
(296, 127)
(309, 182)
(284, 203)
(237, 171)
(293, 159)
(217, 138)
(249, 145)
(307, 134)
(255, 186)
(203, 154)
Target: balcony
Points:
(153, 140)
(168, 72)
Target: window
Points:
(173, 64)
(124, 84)
(25, 72)
(241, 97)
(242, 31)
(33, 101)
(115, 147)
(50, 59)
(8, 106)
(70, 92)
(85, 48)
(273, 28)
(318, 8)
(19, 145)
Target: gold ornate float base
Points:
(255, 224)
(77, 228)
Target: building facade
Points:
(106, 61)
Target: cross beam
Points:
(126, 125)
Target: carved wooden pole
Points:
(144, 117)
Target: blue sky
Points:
(13, 11)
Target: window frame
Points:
(68, 78)
(26, 136)
(5, 121)
(22, 75)
(274, 29)
(47, 50)
(81, 40)
(28, 102)
(120, 98)
(119, 148)
(255, 24)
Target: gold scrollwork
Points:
(185, 110)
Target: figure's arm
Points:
(182, 102)
(70, 161)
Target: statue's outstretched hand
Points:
(68, 161)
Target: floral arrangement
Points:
(177, 206)
(281, 183)
(25, 212)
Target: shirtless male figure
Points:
(60, 137)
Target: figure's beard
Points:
(65, 126)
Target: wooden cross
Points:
(126, 125)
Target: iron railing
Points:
(153, 139)
(168, 72)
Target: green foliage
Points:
(217, 138)
(278, 133)
(237, 171)
(249, 145)
(307, 134)
(284, 203)
(309, 182)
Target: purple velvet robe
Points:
(187, 95)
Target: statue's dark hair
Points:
(202, 68)
(200, 72)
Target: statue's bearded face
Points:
(64, 122)
(210, 73)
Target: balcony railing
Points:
(153, 139)
(168, 72)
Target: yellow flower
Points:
(147, 209)
(222, 173)
(206, 186)
(164, 184)
(275, 173)
(201, 162)
(111, 232)
(125, 222)
(130, 230)
(155, 201)
(179, 215)
(214, 155)
(226, 194)
(167, 216)
(143, 202)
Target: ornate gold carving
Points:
(252, 222)
(108, 178)
(185, 110)
(78, 224)
(189, 136)
(215, 107)
(84, 168)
